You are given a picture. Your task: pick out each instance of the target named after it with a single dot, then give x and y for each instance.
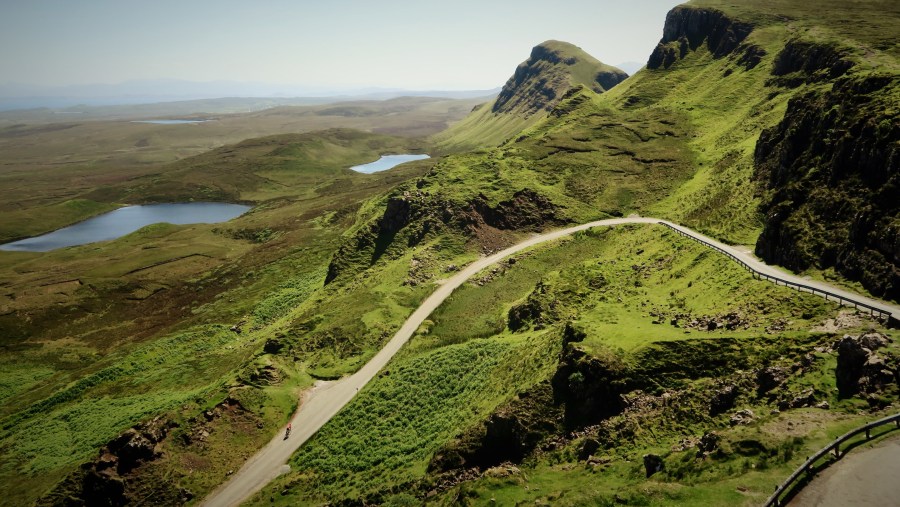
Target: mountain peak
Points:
(553, 68)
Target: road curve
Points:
(326, 400)
(867, 478)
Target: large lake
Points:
(127, 220)
(386, 162)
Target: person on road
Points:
(287, 431)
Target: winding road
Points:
(863, 478)
(326, 399)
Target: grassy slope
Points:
(486, 127)
(465, 362)
(695, 114)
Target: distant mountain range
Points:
(631, 67)
(24, 96)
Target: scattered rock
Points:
(846, 319)
(777, 326)
(805, 398)
(501, 471)
(770, 378)
(599, 460)
(708, 444)
(744, 416)
(685, 444)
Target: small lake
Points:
(170, 122)
(386, 162)
(126, 220)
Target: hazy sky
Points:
(416, 44)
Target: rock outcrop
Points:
(830, 176)
(132, 469)
(590, 389)
(104, 481)
(553, 68)
(653, 463)
(412, 215)
(860, 369)
(688, 28)
(806, 62)
(508, 435)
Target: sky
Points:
(338, 44)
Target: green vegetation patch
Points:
(388, 433)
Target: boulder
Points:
(744, 416)
(588, 448)
(708, 444)
(273, 346)
(770, 378)
(653, 463)
(859, 368)
(723, 400)
(874, 341)
(876, 374)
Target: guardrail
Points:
(842, 300)
(835, 446)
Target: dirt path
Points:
(325, 401)
(867, 478)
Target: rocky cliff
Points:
(553, 68)
(539, 84)
(411, 216)
(831, 178)
(688, 28)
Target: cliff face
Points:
(411, 216)
(552, 69)
(804, 62)
(687, 28)
(831, 178)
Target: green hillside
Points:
(147, 369)
(538, 84)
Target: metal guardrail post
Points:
(799, 287)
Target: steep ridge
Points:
(686, 28)
(795, 138)
(553, 69)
